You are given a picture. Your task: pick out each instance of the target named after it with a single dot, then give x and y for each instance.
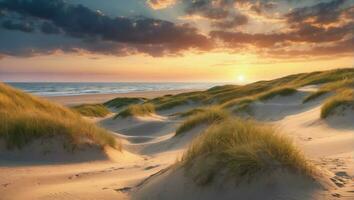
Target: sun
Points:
(241, 78)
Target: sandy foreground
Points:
(151, 148)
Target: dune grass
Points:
(208, 116)
(220, 95)
(324, 77)
(242, 149)
(277, 92)
(123, 101)
(137, 110)
(25, 118)
(344, 97)
(314, 95)
(238, 102)
(91, 110)
(345, 83)
(193, 112)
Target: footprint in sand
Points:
(343, 175)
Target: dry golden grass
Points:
(24, 118)
(344, 97)
(91, 110)
(281, 91)
(242, 149)
(137, 110)
(206, 116)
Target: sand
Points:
(143, 170)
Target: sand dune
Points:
(146, 168)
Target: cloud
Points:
(321, 13)
(344, 48)
(21, 26)
(221, 13)
(235, 21)
(306, 35)
(49, 28)
(160, 4)
(260, 6)
(78, 21)
(318, 29)
(308, 28)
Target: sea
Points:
(68, 89)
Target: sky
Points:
(172, 40)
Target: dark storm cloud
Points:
(80, 22)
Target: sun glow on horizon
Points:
(241, 78)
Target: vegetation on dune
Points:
(91, 110)
(193, 112)
(345, 83)
(344, 97)
(24, 118)
(277, 92)
(208, 116)
(314, 95)
(323, 77)
(137, 110)
(123, 101)
(229, 95)
(171, 101)
(242, 149)
(238, 102)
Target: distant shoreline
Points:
(71, 100)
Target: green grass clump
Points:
(277, 92)
(344, 97)
(137, 110)
(314, 95)
(208, 116)
(91, 110)
(123, 101)
(242, 149)
(24, 118)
